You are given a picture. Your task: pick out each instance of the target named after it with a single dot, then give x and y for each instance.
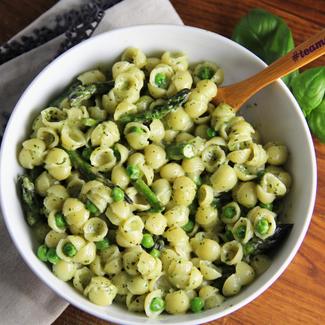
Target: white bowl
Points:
(276, 114)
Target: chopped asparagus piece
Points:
(65, 94)
(258, 246)
(158, 111)
(149, 195)
(178, 151)
(31, 203)
(89, 173)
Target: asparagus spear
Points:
(149, 195)
(30, 201)
(89, 173)
(158, 111)
(83, 92)
(258, 246)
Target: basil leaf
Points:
(266, 35)
(309, 89)
(316, 121)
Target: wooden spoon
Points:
(237, 94)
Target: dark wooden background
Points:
(298, 297)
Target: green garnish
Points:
(89, 122)
(159, 111)
(135, 129)
(89, 172)
(157, 304)
(211, 133)
(189, 226)
(216, 203)
(248, 249)
(117, 194)
(161, 80)
(42, 253)
(69, 250)
(228, 212)
(59, 220)
(262, 226)
(205, 73)
(241, 231)
(268, 206)
(178, 151)
(197, 180)
(155, 252)
(133, 172)
(147, 241)
(86, 152)
(148, 194)
(91, 207)
(197, 304)
(102, 244)
(51, 255)
(229, 235)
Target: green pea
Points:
(241, 231)
(51, 255)
(89, 122)
(133, 172)
(117, 194)
(91, 207)
(155, 252)
(102, 244)
(189, 226)
(268, 206)
(135, 129)
(157, 304)
(161, 80)
(69, 250)
(248, 249)
(86, 152)
(205, 73)
(59, 220)
(211, 133)
(229, 212)
(147, 241)
(42, 253)
(262, 226)
(197, 304)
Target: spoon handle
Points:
(306, 52)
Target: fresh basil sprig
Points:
(309, 89)
(316, 121)
(266, 35)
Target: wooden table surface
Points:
(298, 296)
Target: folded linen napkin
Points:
(24, 298)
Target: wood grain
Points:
(298, 297)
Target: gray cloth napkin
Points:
(24, 298)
